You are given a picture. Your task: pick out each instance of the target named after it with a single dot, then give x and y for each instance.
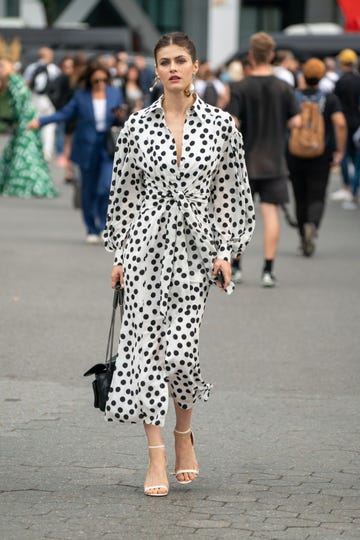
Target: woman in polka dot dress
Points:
(180, 204)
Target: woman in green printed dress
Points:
(23, 169)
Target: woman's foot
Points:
(186, 465)
(156, 482)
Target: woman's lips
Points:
(174, 79)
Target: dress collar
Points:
(199, 107)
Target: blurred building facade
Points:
(217, 26)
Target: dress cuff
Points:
(118, 258)
(224, 253)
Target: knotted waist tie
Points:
(178, 209)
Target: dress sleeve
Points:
(232, 205)
(24, 110)
(125, 195)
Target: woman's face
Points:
(175, 68)
(132, 74)
(68, 66)
(98, 80)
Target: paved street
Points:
(278, 441)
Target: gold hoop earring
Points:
(156, 81)
(190, 89)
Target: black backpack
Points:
(40, 80)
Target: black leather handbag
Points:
(104, 372)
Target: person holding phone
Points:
(180, 204)
(92, 107)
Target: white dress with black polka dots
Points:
(167, 223)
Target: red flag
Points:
(351, 12)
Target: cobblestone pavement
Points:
(278, 441)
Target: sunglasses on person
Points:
(97, 81)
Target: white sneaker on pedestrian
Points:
(268, 280)
(350, 205)
(341, 195)
(236, 275)
(92, 239)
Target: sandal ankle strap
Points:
(183, 432)
(158, 446)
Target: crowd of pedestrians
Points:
(76, 101)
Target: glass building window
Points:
(254, 19)
(166, 15)
(12, 8)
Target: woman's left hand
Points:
(225, 268)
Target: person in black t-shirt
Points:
(264, 108)
(309, 176)
(348, 91)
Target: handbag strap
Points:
(118, 300)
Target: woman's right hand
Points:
(117, 275)
(33, 124)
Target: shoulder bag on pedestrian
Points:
(104, 372)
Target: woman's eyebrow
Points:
(176, 57)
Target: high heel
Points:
(165, 487)
(186, 471)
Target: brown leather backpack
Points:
(308, 141)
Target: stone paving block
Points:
(329, 535)
(297, 522)
(207, 534)
(349, 503)
(203, 523)
(224, 511)
(269, 527)
(325, 518)
(272, 513)
(229, 498)
(275, 499)
(280, 535)
(297, 534)
(338, 492)
(300, 490)
(334, 526)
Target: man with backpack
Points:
(313, 147)
(39, 76)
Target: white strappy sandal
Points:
(185, 471)
(165, 487)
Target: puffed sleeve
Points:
(23, 107)
(125, 194)
(232, 205)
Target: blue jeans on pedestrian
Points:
(352, 156)
(59, 138)
(95, 187)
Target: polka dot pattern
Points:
(166, 224)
